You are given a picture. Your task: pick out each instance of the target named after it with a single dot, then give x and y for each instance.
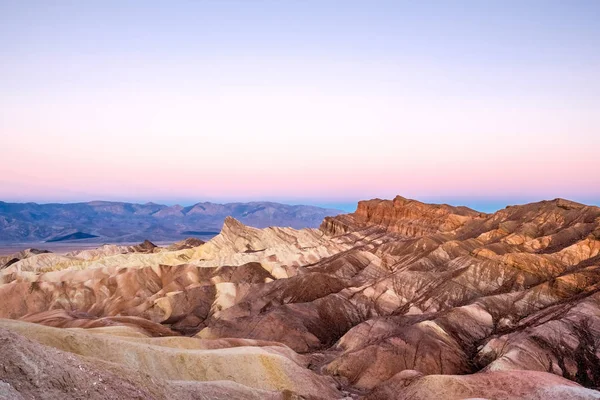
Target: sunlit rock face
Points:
(410, 218)
(400, 299)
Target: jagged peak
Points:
(232, 223)
(400, 199)
(147, 244)
(234, 228)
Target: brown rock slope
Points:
(400, 299)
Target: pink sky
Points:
(240, 108)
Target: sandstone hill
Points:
(399, 300)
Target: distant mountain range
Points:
(129, 222)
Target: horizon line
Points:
(484, 204)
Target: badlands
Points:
(398, 300)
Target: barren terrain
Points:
(399, 300)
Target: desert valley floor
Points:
(399, 300)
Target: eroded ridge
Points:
(400, 299)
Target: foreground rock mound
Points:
(254, 365)
(508, 385)
(32, 370)
(400, 299)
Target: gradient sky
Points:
(325, 102)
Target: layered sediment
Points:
(400, 299)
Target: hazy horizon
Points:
(482, 205)
(312, 102)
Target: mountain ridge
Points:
(131, 222)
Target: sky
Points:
(482, 103)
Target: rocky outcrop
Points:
(6, 261)
(409, 218)
(110, 249)
(188, 243)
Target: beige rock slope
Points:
(31, 370)
(258, 366)
(6, 261)
(277, 249)
(399, 300)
